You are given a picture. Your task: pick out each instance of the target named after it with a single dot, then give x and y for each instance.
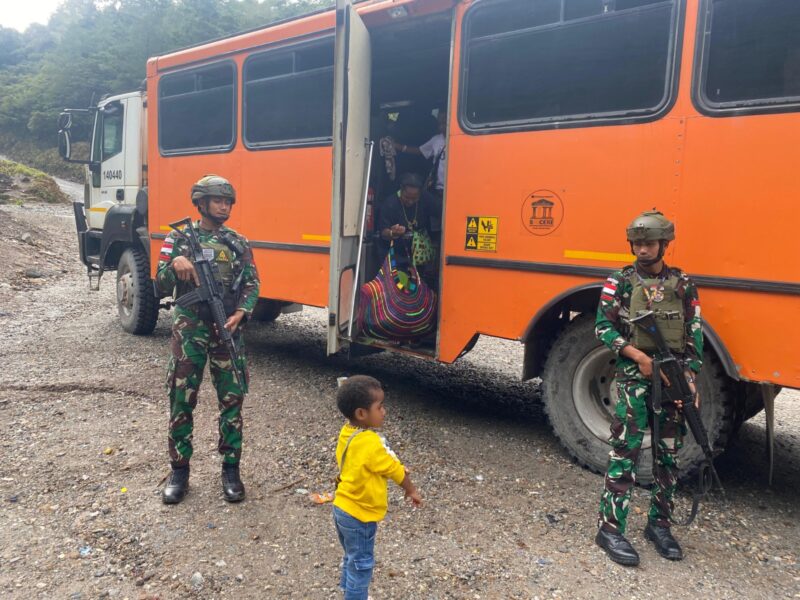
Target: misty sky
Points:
(18, 14)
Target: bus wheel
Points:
(137, 306)
(579, 396)
(266, 310)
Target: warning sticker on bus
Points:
(481, 234)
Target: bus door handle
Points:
(120, 194)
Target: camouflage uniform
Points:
(632, 418)
(194, 341)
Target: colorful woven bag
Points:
(392, 310)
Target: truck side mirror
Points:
(64, 143)
(64, 120)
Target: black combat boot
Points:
(617, 547)
(176, 487)
(666, 545)
(232, 486)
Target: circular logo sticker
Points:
(542, 212)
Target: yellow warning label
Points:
(481, 234)
(487, 243)
(487, 225)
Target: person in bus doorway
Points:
(402, 216)
(433, 150)
(195, 340)
(647, 285)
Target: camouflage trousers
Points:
(628, 428)
(194, 342)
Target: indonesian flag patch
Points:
(609, 289)
(166, 250)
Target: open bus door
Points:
(351, 118)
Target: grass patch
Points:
(44, 158)
(31, 183)
(11, 169)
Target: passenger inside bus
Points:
(404, 220)
(434, 151)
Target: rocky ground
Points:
(507, 515)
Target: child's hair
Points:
(357, 391)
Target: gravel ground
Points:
(507, 514)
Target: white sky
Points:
(18, 14)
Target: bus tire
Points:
(267, 310)
(579, 398)
(136, 303)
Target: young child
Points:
(365, 463)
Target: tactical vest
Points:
(660, 296)
(226, 267)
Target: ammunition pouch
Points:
(671, 324)
(229, 300)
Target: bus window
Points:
(288, 96)
(588, 60)
(196, 110)
(751, 56)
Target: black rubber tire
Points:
(136, 304)
(577, 385)
(267, 310)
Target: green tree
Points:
(94, 47)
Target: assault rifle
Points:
(209, 292)
(678, 389)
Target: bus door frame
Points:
(351, 144)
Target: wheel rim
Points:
(594, 392)
(125, 292)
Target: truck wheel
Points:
(580, 396)
(266, 310)
(137, 306)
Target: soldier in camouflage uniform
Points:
(648, 284)
(195, 340)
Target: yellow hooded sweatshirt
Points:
(362, 492)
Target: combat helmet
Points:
(651, 225)
(212, 185)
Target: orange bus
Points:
(565, 118)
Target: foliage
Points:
(94, 47)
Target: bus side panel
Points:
(279, 200)
(597, 177)
(738, 220)
(758, 330)
(285, 199)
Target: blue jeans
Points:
(358, 540)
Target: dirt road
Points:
(507, 515)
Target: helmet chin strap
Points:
(649, 262)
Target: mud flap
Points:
(768, 393)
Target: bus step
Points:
(419, 351)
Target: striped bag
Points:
(393, 307)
